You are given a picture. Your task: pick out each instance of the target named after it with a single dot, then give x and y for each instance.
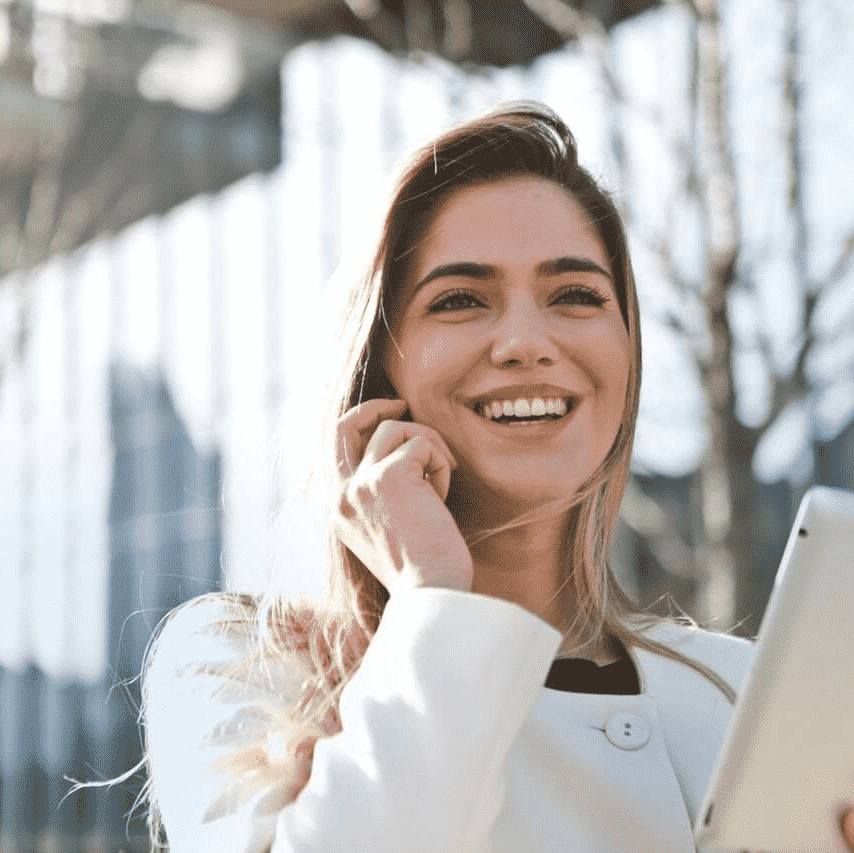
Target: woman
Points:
(484, 424)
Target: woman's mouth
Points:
(524, 410)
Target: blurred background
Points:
(179, 184)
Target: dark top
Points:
(577, 675)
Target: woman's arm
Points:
(427, 722)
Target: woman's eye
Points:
(578, 295)
(456, 301)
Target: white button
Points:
(627, 731)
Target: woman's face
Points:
(509, 341)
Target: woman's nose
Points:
(522, 340)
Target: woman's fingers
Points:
(430, 465)
(390, 435)
(370, 432)
(357, 426)
(394, 477)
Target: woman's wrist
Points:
(417, 578)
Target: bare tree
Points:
(726, 472)
(728, 514)
(721, 477)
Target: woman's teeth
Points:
(521, 408)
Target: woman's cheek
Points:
(431, 353)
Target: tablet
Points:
(786, 767)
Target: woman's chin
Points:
(489, 503)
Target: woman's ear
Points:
(387, 389)
(389, 392)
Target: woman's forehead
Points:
(519, 221)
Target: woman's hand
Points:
(393, 479)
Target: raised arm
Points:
(427, 722)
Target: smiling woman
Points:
(535, 318)
(483, 425)
(509, 303)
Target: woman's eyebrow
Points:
(470, 269)
(571, 264)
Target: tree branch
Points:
(838, 270)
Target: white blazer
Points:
(450, 741)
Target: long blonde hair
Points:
(521, 139)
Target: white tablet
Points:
(786, 767)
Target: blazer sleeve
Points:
(427, 722)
